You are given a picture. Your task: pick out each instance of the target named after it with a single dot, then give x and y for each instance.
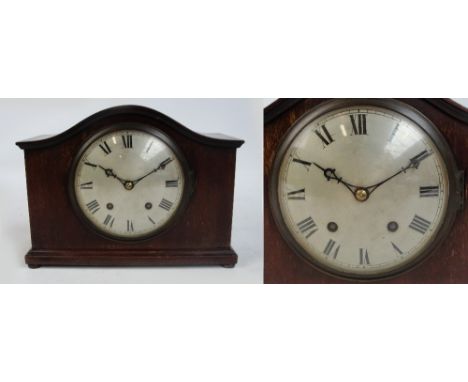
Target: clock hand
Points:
(109, 172)
(413, 163)
(330, 174)
(161, 166)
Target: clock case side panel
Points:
(284, 266)
(200, 236)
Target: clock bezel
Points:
(189, 180)
(454, 187)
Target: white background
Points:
(240, 118)
(208, 48)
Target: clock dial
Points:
(361, 191)
(129, 183)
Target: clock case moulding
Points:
(448, 263)
(199, 235)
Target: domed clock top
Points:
(130, 186)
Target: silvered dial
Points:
(129, 183)
(362, 191)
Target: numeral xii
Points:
(359, 126)
(127, 141)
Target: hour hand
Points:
(330, 174)
(110, 173)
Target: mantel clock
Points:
(130, 186)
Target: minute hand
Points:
(413, 163)
(161, 166)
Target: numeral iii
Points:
(172, 183)
(428, 191)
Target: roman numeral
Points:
(308, 227)
(165, 163)
(109, 220)
(420, 224)
(86, 186)
(130, 226)
(392, 135)
(127, 141)
(149, 146)
(324, 136)
(93, 206)
(416, 160)
(165, 204)
(297, 195)
(428, 191)
(363, 257)
(151, 220)
(172, 183)
(305, 163)
(105, 147)
(359, 128)
(329, 248)
(90, 164)
(396, 248)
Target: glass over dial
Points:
(362, 191)
(129, 183)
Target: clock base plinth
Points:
(36, 258)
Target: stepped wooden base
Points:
(225, 257)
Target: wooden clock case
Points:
(449, 263)
(201, 234)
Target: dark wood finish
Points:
(449, 264)
(200, 236)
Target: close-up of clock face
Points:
(361, 190)
(129, 183)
